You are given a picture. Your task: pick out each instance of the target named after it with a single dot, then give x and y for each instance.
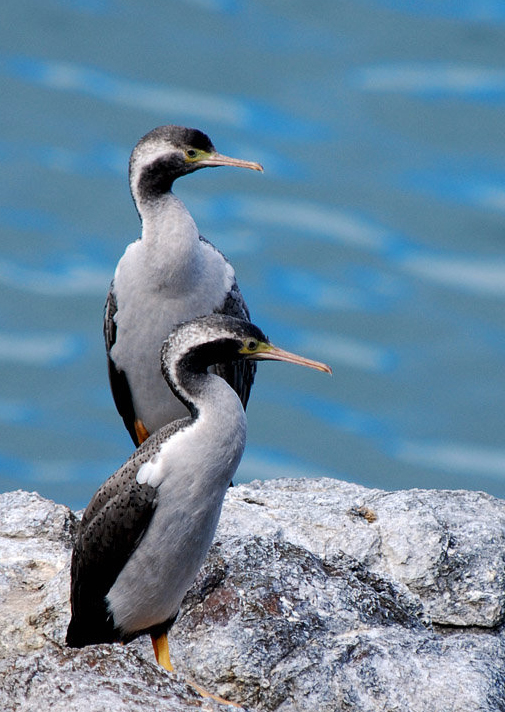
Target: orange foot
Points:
(160, 646)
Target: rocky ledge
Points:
(317, 595)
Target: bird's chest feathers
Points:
(170, 256)
(191, 473)
(201, 458)
(166, 277)
(172, 269)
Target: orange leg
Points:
(141, 431)
(204, 693)
(161, 652)
(160, 646)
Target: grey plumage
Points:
(190, 463)
(171, 274)
(145, 533)
(111, 528)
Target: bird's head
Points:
(169, 152)
(197, 344)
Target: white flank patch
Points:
(151, 472)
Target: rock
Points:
(446, 546)
(37, 670)
(95, 680)
(316, 595)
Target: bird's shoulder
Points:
(239, 374)
(121, 497)
(209, 245)
(234, 304)
(119, 513)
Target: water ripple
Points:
(336, 415)
(485, 277)
(88, 7)
(265, 464)
(18, 412)
(45, 349)
(28, 219)
(318, 220)
(305, 289)
(462, 458)
(433, 80)
(68, 277)
(345, 351)
(331, 347)
(476, 10)
(57, 471)
(222, 6)
(293, 286)
(162, 99)
(463, 183)
(490, 196)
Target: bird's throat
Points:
(171, 245)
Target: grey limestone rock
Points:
(316, 595)
(447, 547)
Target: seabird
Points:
(169, 275)
(147, 530)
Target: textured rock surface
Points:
(447, 547)
(37, 671)
(316, 595)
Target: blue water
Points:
(375, 239)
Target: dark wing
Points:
(239, 374)
(111, 528)
(118, 382)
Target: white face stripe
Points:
(190, 336)
(144, 155)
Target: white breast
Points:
(168, 276)
(192, 472)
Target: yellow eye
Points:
(251, 347)
(191, 153)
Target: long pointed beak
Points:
(272, 353)
(217, 159)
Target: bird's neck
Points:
(170, 241)
(218, 429)
(206, 450)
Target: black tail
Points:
(74, 637)
(91, 630)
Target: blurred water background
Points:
(374, 240)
